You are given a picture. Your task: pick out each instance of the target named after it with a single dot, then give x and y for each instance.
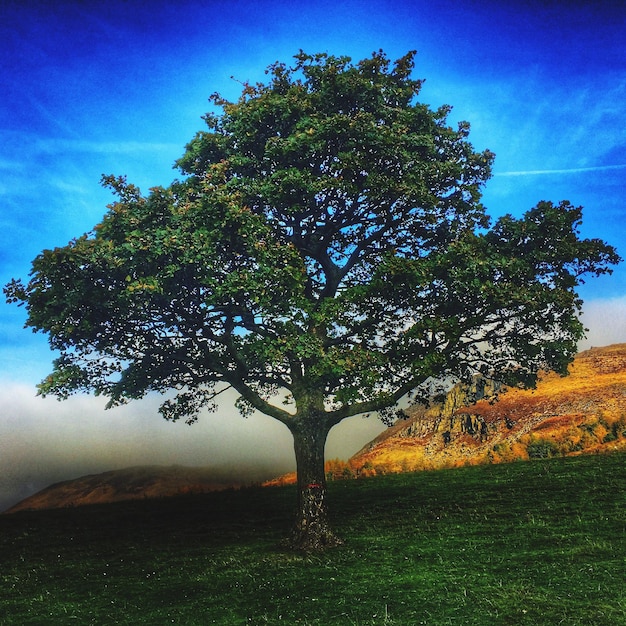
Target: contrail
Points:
(107, 147)
(575, 170)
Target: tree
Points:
(325, 255)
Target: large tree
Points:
(325, 255)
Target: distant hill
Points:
(584, 412)
(125, 484)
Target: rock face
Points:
(582, 412)
(447, 418)
(126, 484)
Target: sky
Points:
(119, 87)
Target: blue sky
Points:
(120, 87)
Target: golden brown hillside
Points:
(580, 413)
(584, 412)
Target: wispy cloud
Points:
(105, 147)
(572, 170)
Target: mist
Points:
(605, 321)
(44, 441)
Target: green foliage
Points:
(327, 242)
(542, 448)
(534, 543)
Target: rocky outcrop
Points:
(445, 419)
(585, 411)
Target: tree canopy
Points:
(325, 254)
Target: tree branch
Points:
(254, 399)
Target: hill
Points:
(131, 483)
(584, 412)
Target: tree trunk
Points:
(312, 530)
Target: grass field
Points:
(540, 542)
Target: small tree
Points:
(325, 255)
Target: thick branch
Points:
(255, 400)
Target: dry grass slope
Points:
(582, 413)
(132, 483)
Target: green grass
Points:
(540, 542)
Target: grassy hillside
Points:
(540, 542)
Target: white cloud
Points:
(70, 146)
(539, 126)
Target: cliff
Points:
(579, 413)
